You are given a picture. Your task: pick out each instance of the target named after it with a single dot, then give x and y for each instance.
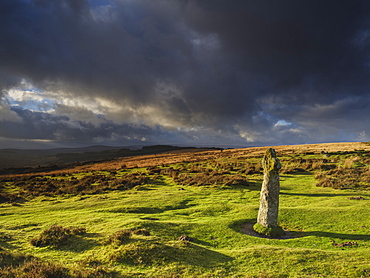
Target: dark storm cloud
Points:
(120, 54)
(38, 126)
(294, 43)
(44, 126)
(61, 41)
(186, 70)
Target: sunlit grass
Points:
(213, 218)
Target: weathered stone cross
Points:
(267, 220)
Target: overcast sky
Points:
(193, 72)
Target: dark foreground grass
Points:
(212, 217)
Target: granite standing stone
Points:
(269, 198)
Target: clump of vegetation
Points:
(345, 178)
(33, 186)
(10, 198)
(36, 269)
(142, 232)
(301, 165)
(120, 237)
(251, 168)
(273, 232)
(56, 236)
(92, 268)
(185, 238)
(338, 170)
(21, 266)
(10, 258)
(123, 236)
(144, 253)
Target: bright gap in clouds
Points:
(282, 123)
(30, 98)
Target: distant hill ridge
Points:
(13, 161)
(23, 161)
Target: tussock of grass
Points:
(273, 232)
(56, 236)
(158, 253)
(120, 237)
(142, 232)
(143, 253)
(8, 258)
(35, 268)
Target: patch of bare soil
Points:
(247, 228)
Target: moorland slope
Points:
(188, 213)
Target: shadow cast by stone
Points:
(321, 194)
(246, 227)
(341, 236)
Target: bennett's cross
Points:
(269, 198)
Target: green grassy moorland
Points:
(137, 227)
